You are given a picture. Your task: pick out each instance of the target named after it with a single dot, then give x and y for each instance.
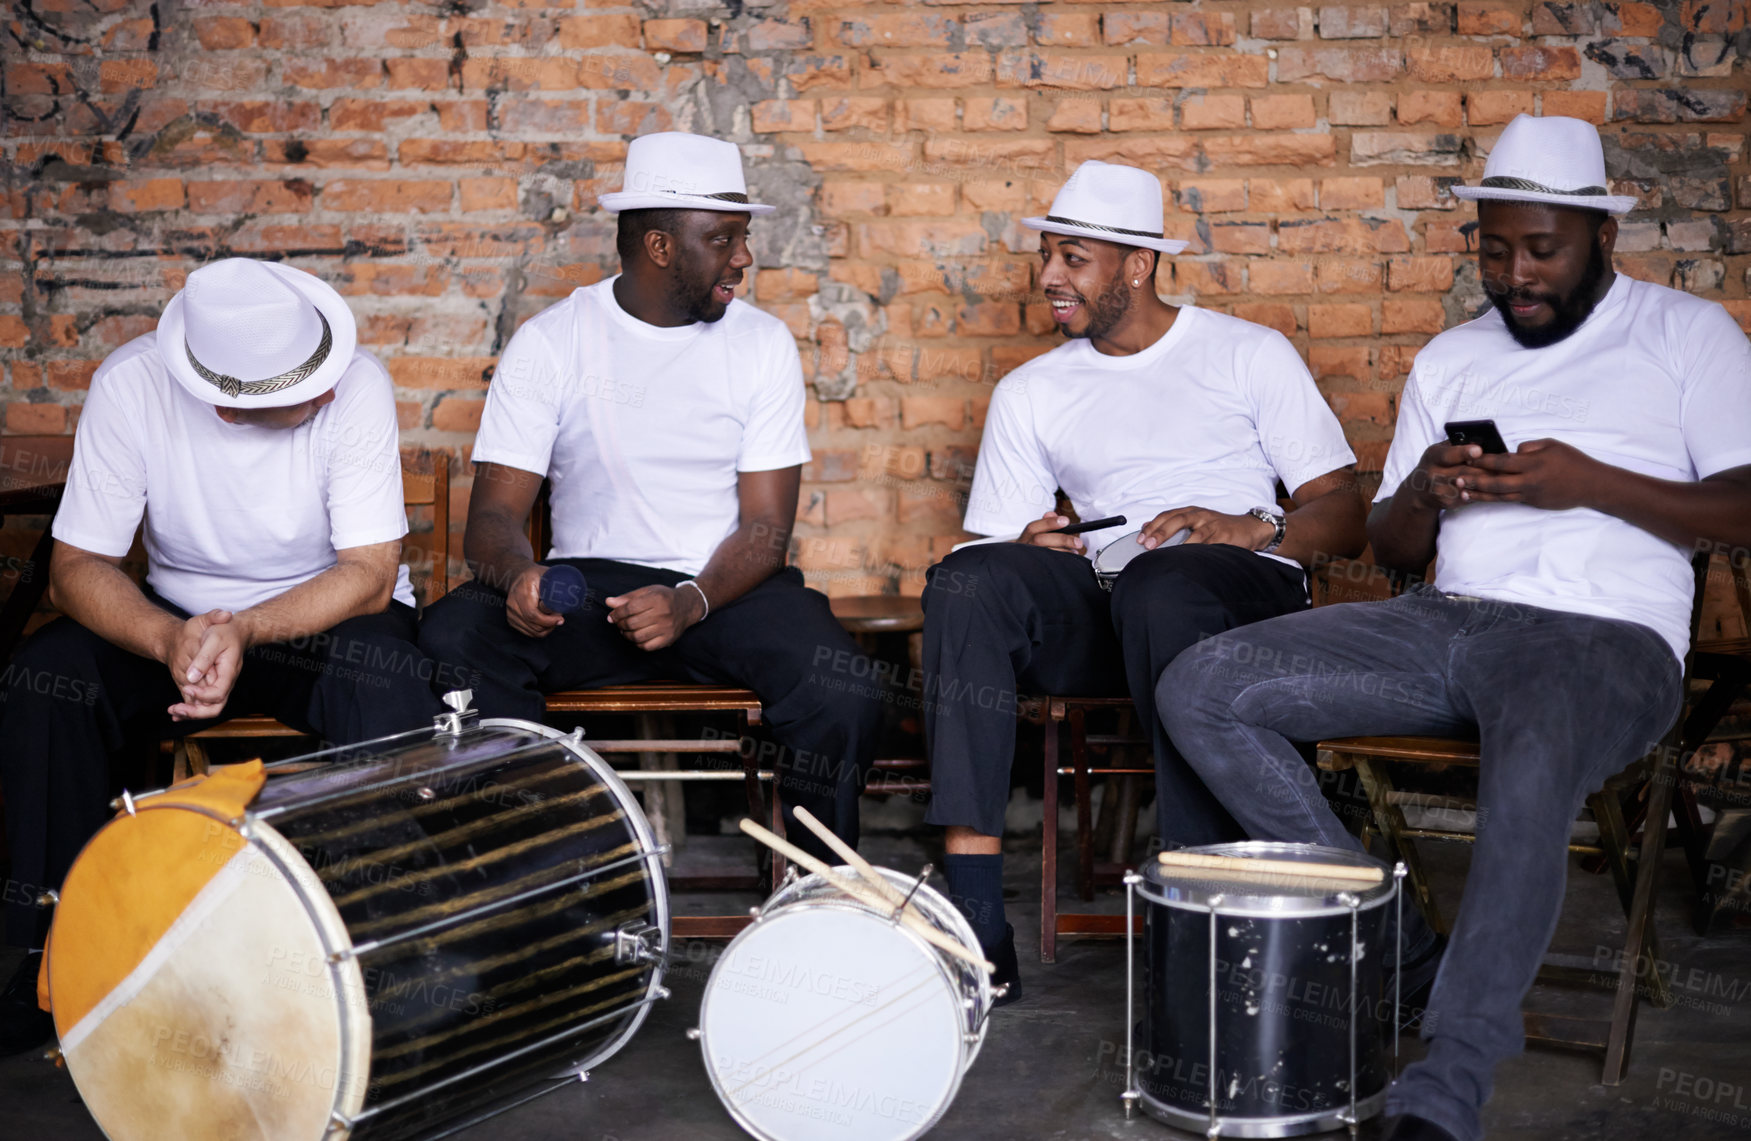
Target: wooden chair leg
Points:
(1390, 823)
(1641, 921)
(1130, 803)
(179, 762)
(656, 800)
(194, 757)
(1084, 808)
(1049, 855)
(1614, 841)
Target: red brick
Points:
(1351, 234)
(14, 333)
(223, 33)
(115, 76)
(1486, 18)
(1269, 314)
(1279, 277)
(1063, 71)
(35, 419)
(1488, 108)
(1540, 63)
(961, 69)
(1419, 275)
(487, 194)
(1347, 275)
(328, 74)
(921, 239)
(1404, 148)
(916, 411)
(1588, 105)
(1440, 108)
(996, 29)
(1136, 28)
(1631, 19)
(1203, 29)
(675, 35)
(1456, 236)
(1353, 407)
(864, 156)
(1338, 360)
(808, 72)
(599, 30)
(920, 198)
(1216, 69)
(1360, 108)
(1412, 315)
(1156, 114)
(995, 114)
(1346, 65)
(1282, 112)
(371, 115)
(1450, 63)
(1209, 112)
(773, 115)
(1422, 192)
(1352, 193)
(418, 74)
(388, 195)
(1241, 238)
(1337, 23)
(1346, 320)
(771, 35)
(1212, 195)
(843, 196)
(1281, 195)
(440, 372)
(1271, 150)
(1081, 116)
(1282, 24)
(908, 30)
(457, 414)
(146, 195)
(989, 319)
(250, 197)
(924, 115)
(1005, 153)
(1068, 29)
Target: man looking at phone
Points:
(1182, 420)
(1559, 613)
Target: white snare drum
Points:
(827, 1019)
(1117, 555)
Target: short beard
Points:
(690, 294)
(1568, 312)
(1106, 309)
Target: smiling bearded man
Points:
(668, 418)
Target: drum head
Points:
(824, 1020)
(192, 991)
(1116, 555)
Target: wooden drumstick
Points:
(1295, 868)
(863, 894)
(849, 854)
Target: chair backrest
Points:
(34, 461)
(432, 489)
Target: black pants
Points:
(779, 640)
(1003, 618)
(73, 703)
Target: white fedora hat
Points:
(1555, 160)
(243, 333)
(673, 170)
(1111, 202)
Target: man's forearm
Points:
(1330, 526)
(102, 598)
(1690, 515)
(1403, 533)
(497, 550)
(753, 553)
(345, 590)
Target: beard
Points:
(1568, 310)
(1106, 309)
(690, 292)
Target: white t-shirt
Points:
(1655, 381)
(641, 429)
(1211, 415)
(235, 514)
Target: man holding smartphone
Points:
(1559, 612)
(1180, 419)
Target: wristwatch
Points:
(1275, 518)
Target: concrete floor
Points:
(1047, 1069)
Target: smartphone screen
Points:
(1480, 432)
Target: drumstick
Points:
(1365, 875)
(857, 891)
(849, 854)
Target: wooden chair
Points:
(1651, 780)
(419, 489)
(33, 473)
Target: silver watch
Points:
(1275, 518)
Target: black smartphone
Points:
(1092, 525)
(1480, 432)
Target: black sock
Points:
(975, 885)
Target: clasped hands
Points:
(1547, 474)
(205, 655)
(650, 617)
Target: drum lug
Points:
(633, 943)
(693, 1034)
(970, 1039)
(48, 898)
(461, 717)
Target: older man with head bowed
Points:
(1559, 613)
(260, 447)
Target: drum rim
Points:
(652, 858)
(1151, 890)
(1282, 1125)
(931, 954)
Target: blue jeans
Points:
(1559, 702)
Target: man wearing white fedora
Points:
(667, 418)
(259, 446)
(1181, 420)
(1560, 608)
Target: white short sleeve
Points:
(105, 497)
(774, 435)
(362, 455)
(1715, 359)
(523, 403)
(1411, 437)
(1013, 484)
(1297, 429)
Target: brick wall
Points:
(439, 163)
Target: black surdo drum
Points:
(1263, 1005)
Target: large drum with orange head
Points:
(417, 932)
